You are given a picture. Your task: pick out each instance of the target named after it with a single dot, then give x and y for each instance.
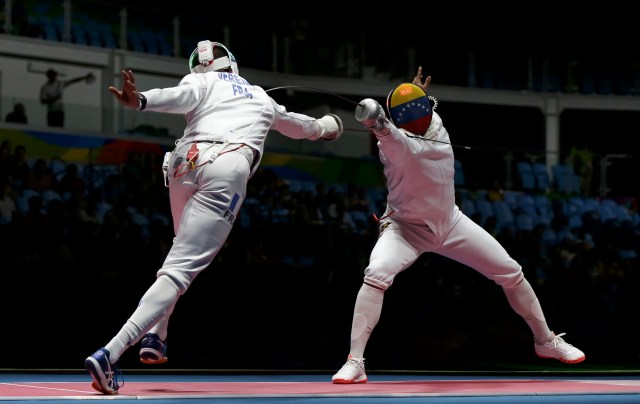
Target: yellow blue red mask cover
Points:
(409, 108)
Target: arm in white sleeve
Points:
(301, 126)
(177, 100)
(293, 124)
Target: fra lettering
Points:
(240, 90)
(230, 217)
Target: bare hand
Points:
(418, 80)
(128, 95)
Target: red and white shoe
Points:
(351, 372)
(558, 349)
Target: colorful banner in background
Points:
(79, 148)
(89, 149)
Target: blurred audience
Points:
(102, 233)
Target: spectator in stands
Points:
(51, 95)
(19, 167)
(112, 187)
(581, 159)
(18, 114)
(7, 203)
(71, 183)
(35, 220)
(421, 217)
(5, 156)
(227, 122)
(40, 178)
(496, 192)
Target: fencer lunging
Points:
(227, 121)
(421, 216)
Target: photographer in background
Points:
(51, 95)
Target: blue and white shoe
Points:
(104, 374)
(153, 351)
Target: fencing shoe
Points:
(558, 349)
(153, 351)
(351, 372)
(104, 374)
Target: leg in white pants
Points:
(470, 244)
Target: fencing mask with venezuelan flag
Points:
(409, 108)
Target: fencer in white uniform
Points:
(421, 216)
(227, 122)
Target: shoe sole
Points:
(570, 362)
(345, 381)
(150, 361)
(95, 370)
(150, 356)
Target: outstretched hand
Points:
(128, 95)
(418, 80)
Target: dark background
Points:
(67, 287)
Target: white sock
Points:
(162, 327)
(365, 318)
(154, 305)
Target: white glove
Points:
(370, 114)
(331, 127)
